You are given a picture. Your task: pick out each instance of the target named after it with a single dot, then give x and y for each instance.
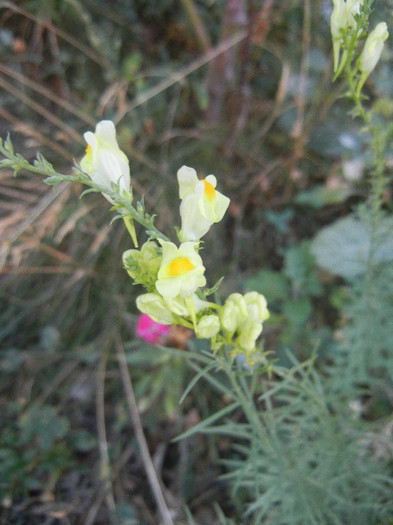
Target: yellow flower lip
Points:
(180, 266)
(210, 192)
(89, 151)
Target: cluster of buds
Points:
(346, 30)
(174, 275)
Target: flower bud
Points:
(373, 48)
(256, 306)
(143, 265)
(234, 312)
(249, 333)
(208, 326)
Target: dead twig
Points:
(154, 481)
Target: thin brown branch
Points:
(29, 131)
(101, 430)
(38, 108)
(48, 94)
(154, 481)
(199, 28)
(178, 76)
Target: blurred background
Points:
(238, 88)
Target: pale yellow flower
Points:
(104, 162)
(249, 333)
(181, 271)
(342, 19)
(208, 326)
(155, 307)
(256, 306)
(373, 48)
(233, 312)
(201, 206)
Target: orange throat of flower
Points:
(179, 266)
(209, 190)
(89, 151)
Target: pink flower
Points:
(150, 331)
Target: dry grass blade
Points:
(30, 131)
(155, 484)
(40, 110)
(48, 94)
(34, 213)
(178, 76)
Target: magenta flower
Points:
(150, 330)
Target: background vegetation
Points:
(241, 89)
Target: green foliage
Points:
(33, 450)
(347, 246)
(300, 456)
(290, 294)
(365, 354)
(308, 442)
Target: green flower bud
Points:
(143, 265)
(208, 326)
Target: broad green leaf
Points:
(345, 248)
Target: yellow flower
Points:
(104, 162)
(181, 271)
(201, 206)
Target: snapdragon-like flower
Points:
(342, 19)
(155, 307)
(104, 162)
(181, 271)
(169, 310)
(201, 206)
(373, 48)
